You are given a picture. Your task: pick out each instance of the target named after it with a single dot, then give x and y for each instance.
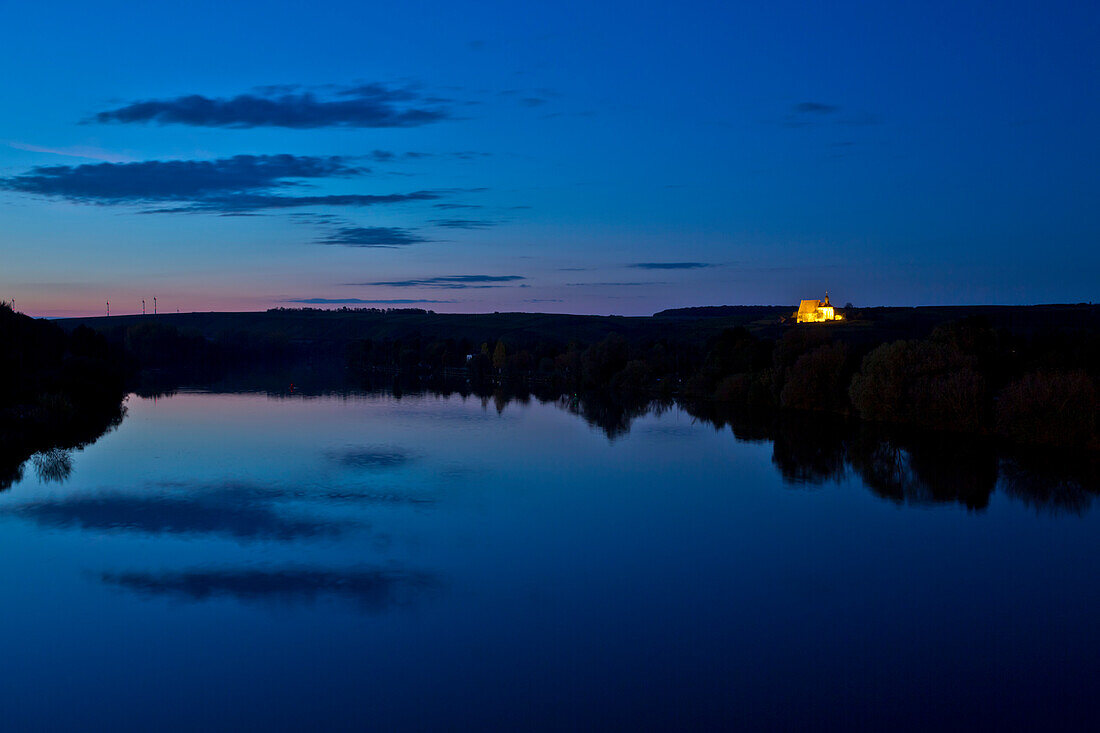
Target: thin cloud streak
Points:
(449, 282)
(248, 203)
(174, 180)
(76, 151)
(670, 265)
(232, 186)
(615, 284)
(373, 237)
(364, 105)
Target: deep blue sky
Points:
(568, 156)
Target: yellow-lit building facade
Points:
(817, 311)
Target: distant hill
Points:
(330, 328)
(743, 312)
(883, 323)
(333, 329)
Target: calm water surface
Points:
(228, 561)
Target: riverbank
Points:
(1027, 374)
(58, 389)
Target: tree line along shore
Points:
(1026, 374)
(59, 388)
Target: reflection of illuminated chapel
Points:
(816, 311)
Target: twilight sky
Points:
(593, 157)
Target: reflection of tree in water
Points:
(1066, 485)
(611, 414)
(954, 468)
(746, 426)
(925, 470)
(909, 467)
(53, 466)
(885, 468)
(11, 468)
(49, 443)
(809, 450)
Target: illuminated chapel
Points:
(817, 311)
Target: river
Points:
(371, 561)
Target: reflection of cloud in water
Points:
(372, 458)
(237, 490)
(356, 497)
(462, 471)
(240, 514)
(370, 589)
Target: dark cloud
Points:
(237, 185)
(174, 180)
(364, 105)
(450, 282)
(239, 511)
(464, 223)
(372, 237)
(532, 101)
(370, 589)
(815, 108)
(449, 207)
(670, 265)
(359, 301)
